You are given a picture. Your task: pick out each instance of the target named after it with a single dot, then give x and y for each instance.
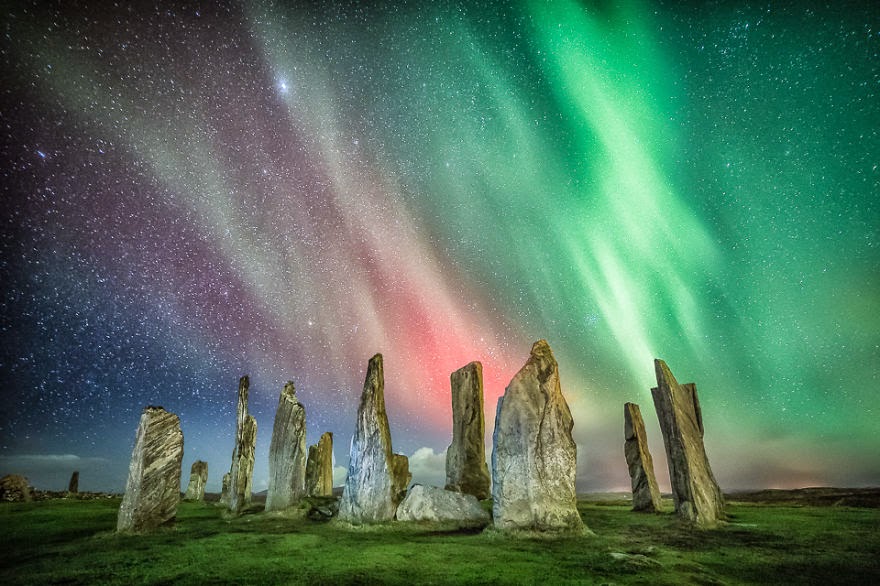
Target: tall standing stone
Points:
(73, 485)
(319, 467)
(534, 460)
(152, 492)
(377, 478)
(646, 495)
(198, 478)
(466, 469)
(696, 493)
(287, 452)
(241, 473)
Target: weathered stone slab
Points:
(287, 453)
(646, 494)
(152, 492)
(198, 478)
(696, 493)
(466, 469)
(430, 503)
(319, 467)
(241, 473)
(73, 485)
(534, 460)
(376, 476)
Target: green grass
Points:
(71, 542)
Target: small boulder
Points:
(430, 503)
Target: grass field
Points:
(72, 542)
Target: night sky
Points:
(200, 191)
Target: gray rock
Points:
(466, 469)
(152, 492)
(241, 473)
(694, 489)
(534, 460)
(376, 476)
(646, 495)
(15, 488)
(224, 491)
(319, 467)
(73, 485)
(429, 503)
(287, 453)
(198, 478)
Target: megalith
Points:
(319, 467)
(152, 491)
(377, 477)
(695, 492)
(198, 478)
(466, 469)
(287, 452)
(242, 471)
(437, 505)
(224, 491)
(646, 495)
(534, 459)
(73, 485)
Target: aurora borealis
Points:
(203, 190)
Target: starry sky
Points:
(196, 191)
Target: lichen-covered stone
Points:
(695, 492)
(241, 473)
(287, 453)
(646, 495)
(466, 469)
(534, 460)
(430, 503)
(198, 478)
(377, 477)
(319, 467)
(152, 492)
(15, 488)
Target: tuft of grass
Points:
(74, 542)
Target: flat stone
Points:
(696, 494)
(319, 467)
(534, 460)
(466, 468)
(287, 453)
(646, 494)
(152, 491)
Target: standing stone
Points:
(198, 478)
(377, 478)
(466, 469)
(73, 485)
(319, 467)
(694, 489)
(241, 473)
(646, 495)
(224, 490)
(287, 453)
(152, 492)
(534, 460)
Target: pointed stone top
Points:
(244, 381)
(664, 375)
(541, 347)
(289, 390)
(475, 365)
